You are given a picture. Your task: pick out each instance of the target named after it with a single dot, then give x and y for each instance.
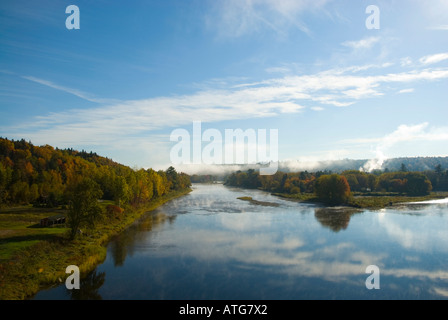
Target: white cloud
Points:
(125, 123)
(75, 92)
(362, 92)
(410, 90)
(362, 44)
(439, 27)
(288, 94)
(283, 70)
(407, 61)
(435, 58)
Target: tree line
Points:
(336, 188)
(45, 176)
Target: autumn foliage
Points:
(114, 211)
(44, 176)
(332, 189)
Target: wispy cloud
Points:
(271, 97)
(407, 61)
(362, 44)
(132, 122)
(443, 27)
(410, 90)
(435, 58)
(78, 93)
(236, 18)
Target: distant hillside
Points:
(219, 172)
(416, 164)
(394, 164)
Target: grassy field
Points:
(32, 258)
(19, 229)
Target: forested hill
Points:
(44, 176)
(416, 163)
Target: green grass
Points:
(19, 229)
(35, 258)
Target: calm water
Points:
(210, 245)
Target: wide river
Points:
(209, 245)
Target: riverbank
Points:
(368, 201)
(42, 263)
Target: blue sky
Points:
(135, 71)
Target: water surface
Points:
(210, 245)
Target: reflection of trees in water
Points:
(336, 219)
(89, 287)
(124, 244)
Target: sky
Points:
(311, 69)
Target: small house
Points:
(51, 221)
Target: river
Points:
(209, 245)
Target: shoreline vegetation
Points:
(363, 201)
(351, 188)
(356, 201)
(42, 263)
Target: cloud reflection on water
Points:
(187, 249)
